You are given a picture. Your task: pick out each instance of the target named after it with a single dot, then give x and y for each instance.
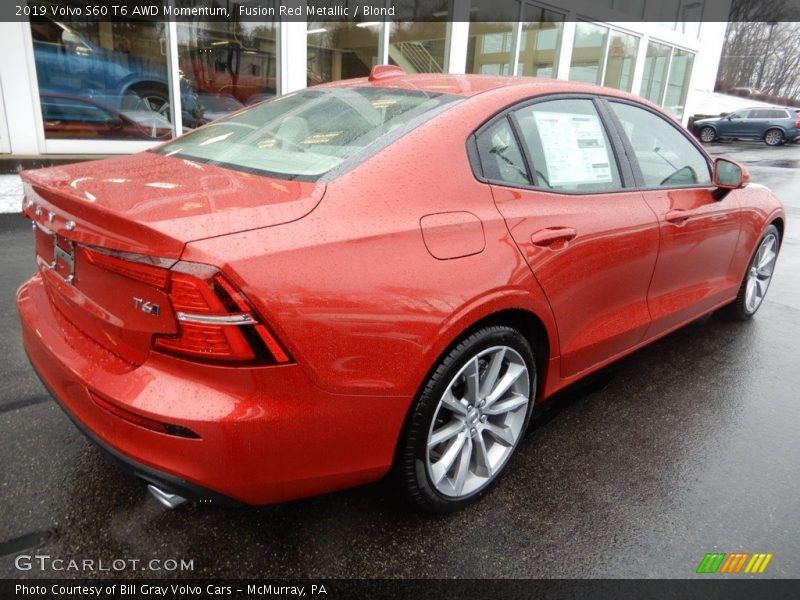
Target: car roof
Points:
(766, 108)
(472, 85)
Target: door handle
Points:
(678, 216)
(552, 235)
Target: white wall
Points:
(20, 97)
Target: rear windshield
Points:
(307, 134)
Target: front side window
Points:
(665, 156)
(306, 134)
(568, 146)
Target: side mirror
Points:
(729, 174)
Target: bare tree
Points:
(760, 54)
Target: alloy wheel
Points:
(773, 137)
(478, 422)
(760, 273)
(157, 104)
(707, 134)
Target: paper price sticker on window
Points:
(574, 147)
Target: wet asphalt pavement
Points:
(686, 447)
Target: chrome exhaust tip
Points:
(165, 499)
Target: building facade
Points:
(106, 87)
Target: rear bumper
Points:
(266, 434)
(165, 481)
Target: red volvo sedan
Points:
(383, 272)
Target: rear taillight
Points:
(149, 269)
(215, 321)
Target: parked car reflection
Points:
(71, 65)
(215, 106)
(75, 117)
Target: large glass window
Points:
(341, 50)
(490, 48)
(225, 66)
(588, 53)
(621, 59)
(306, 134)
(102, 80)
(665, 156)
(568, 146)
(541, 41)
(655, 72)
(633, 8)
(419, 47)
(680, 73)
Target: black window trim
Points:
(634, 162)
(628, 182)
(513, 122)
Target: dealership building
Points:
(119, 86)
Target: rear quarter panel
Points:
(352, 289)
(758, 208)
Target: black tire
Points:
(707, 134)
(156, 97)
(739, 309)
(774, 137)
(413, 466)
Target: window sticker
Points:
(574, 148)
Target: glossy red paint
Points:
(365, 281)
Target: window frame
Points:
(634, 161)
(631, 176)
(626, 175)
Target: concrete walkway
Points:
(10, 194)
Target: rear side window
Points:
(568, 146)
(665, 156)
(500, 155)
(306, 134)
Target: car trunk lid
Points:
(144, 208)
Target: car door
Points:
(735, 125)
(699, 226)
(757, 123)
(590, 242)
